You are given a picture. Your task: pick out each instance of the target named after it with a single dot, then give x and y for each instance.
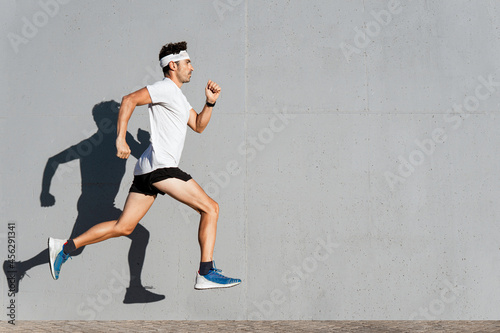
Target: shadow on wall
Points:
(101, 173)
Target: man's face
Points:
(184, 70)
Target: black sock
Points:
(205, 267)
(69, 246)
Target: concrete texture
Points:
(353, 152)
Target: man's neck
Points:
(174, 80)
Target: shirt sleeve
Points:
(159, 92)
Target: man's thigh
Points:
(136, 206)
(188, 192)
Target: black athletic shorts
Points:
(144, 183)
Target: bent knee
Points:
(126, 232)
(210, 207)
(123, 230)
(139, 233)
(215, 207)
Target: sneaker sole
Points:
(215, 286)
(50, 243)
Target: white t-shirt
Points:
(168, 115)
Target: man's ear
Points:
(172, 65)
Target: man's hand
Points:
(212, 91)
(122, 148)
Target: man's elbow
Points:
(197, 127)
(126, 99)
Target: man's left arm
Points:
(198, 122)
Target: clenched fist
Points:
(212, 91)
(122, 148)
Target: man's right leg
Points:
(191, 194)
(136, 207)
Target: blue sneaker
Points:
(56, 256)
(214, 279)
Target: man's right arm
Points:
(129, 102)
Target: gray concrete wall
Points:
(353, 152)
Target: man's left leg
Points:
(191, 194)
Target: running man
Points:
(157, 172)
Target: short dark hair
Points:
(171, 48)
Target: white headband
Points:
(173, 57)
